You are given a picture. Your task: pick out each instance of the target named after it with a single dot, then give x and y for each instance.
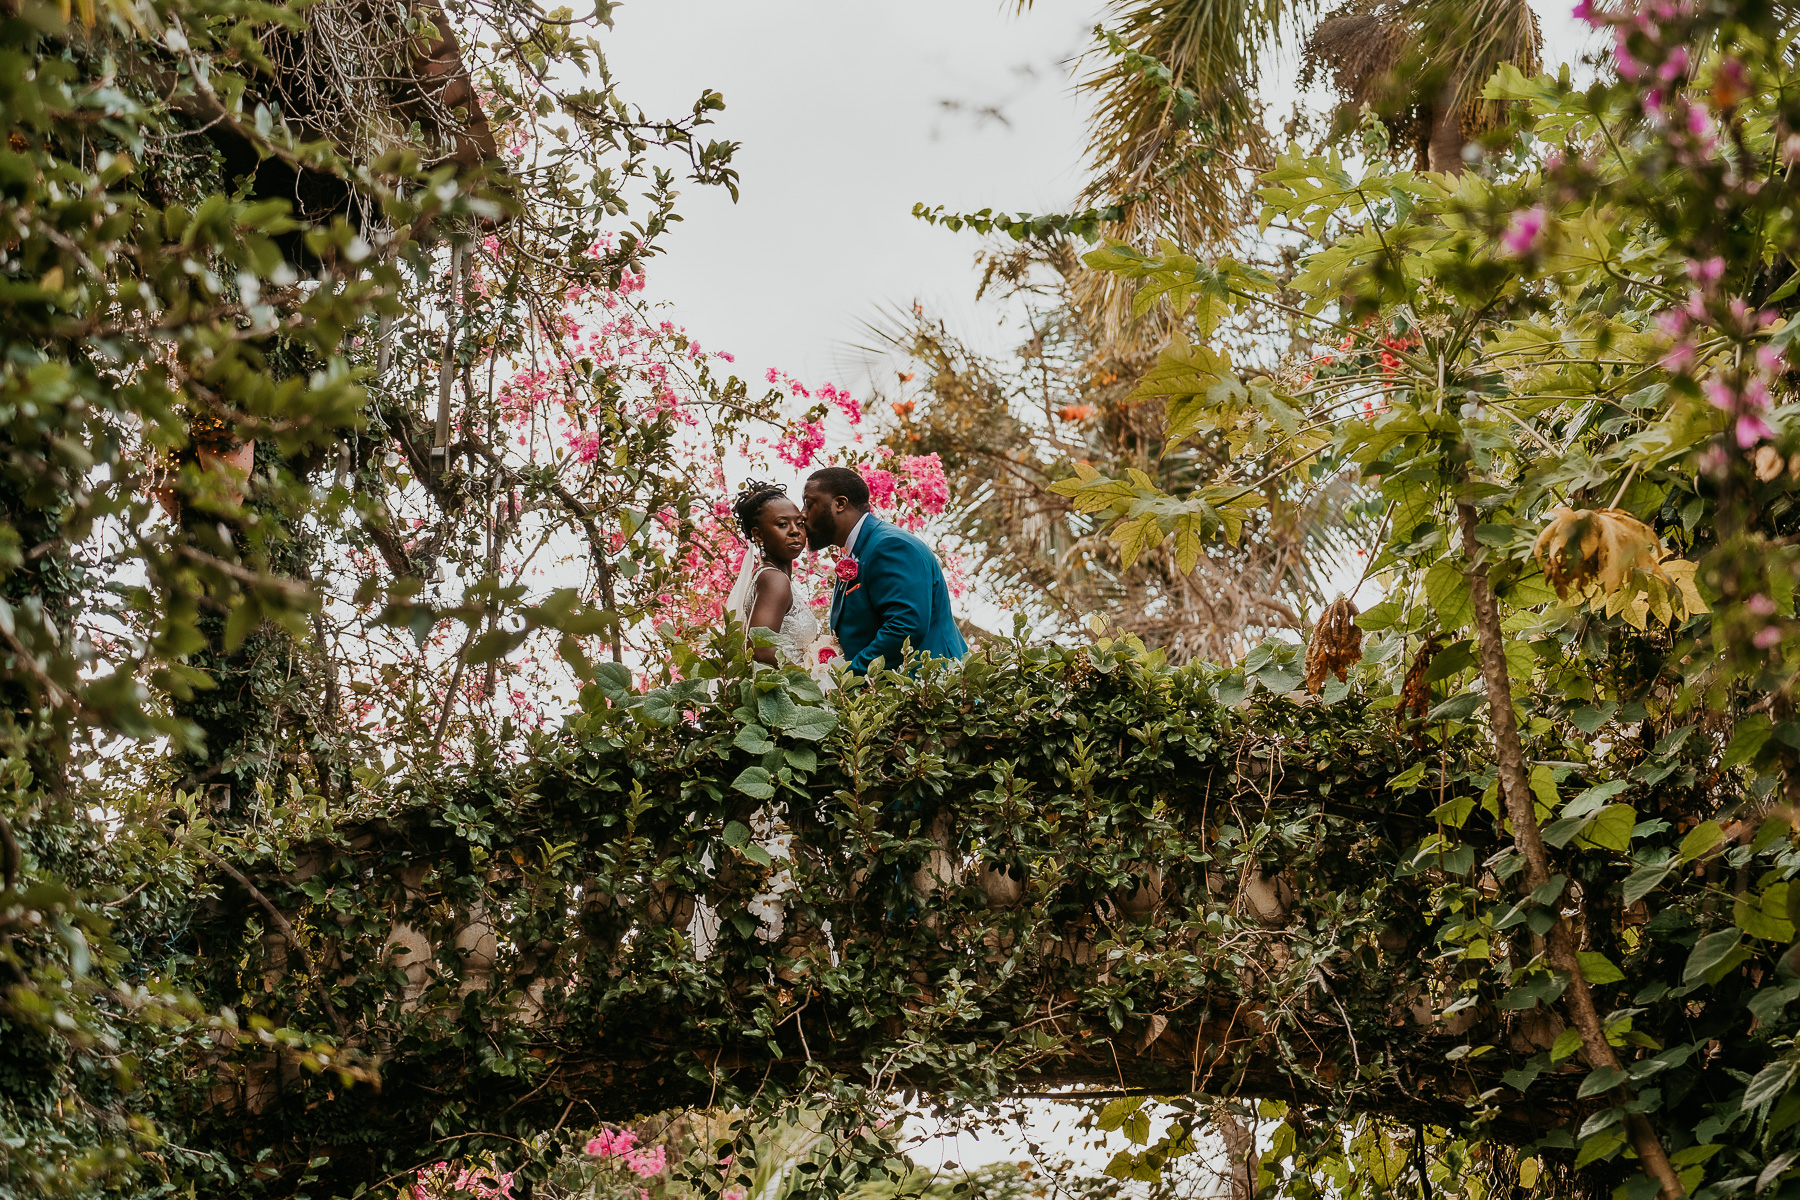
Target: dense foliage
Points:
(340, 457)
(1566, 372)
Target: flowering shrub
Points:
(442, 1181)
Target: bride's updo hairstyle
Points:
(750, 501)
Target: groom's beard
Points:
(819, 539)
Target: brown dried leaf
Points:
(1415, 693)
(1336, 644)
(1580, 548)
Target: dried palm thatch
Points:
(1421, 65)
(354, 74)
(1006, 429)
(373, 77)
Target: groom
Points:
(890, 589)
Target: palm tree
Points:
(1177, 136)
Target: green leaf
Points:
(1611, 830)
(613, 679)
(1409, 778)
(1447, 587)
(1770, 1082)
(775, 708)
(1456, 708)
(1775, 1169)
(1598, 1147)
(1115, 1112)
(1601, 1079)
(658, 707)
(1454, 812)
(1765, 916)
(753, 739)
(1597, 968)
(1747, 740)
(1644, 880)
(813, 724)
(1594, 797)
(737, 835)
(756, 782)
(1567, 1042)
(1709, 952)
(1700, 839)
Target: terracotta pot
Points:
(237, 462)
(1144, 897)
(1003, 886)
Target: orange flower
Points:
(906, 376)
(1075, 412)
(903, 408)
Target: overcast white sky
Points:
(840, 108)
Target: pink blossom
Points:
(800, 444)
(1752, 429)
(607, 1144)
(847, 404)
(585, 445)
(881, 485)
(1522, 234)
(1761, 605)
(1766, 637)
(645, 1163)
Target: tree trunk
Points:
(1515, 789)
(1240, 1155)
(1444, 151)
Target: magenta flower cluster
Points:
(642, 1161)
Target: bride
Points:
(769, 602)
(766, 597)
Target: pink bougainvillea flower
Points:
(1752, 429)
(645, 1163)
(612, 1145)
(882, 485)
(1521, 235)
(1761, 605)
(1767, 636)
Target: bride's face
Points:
(781, 530)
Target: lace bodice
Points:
(798, 628)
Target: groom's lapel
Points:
(838, 590)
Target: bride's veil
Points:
(740, 591)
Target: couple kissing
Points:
(889, 592)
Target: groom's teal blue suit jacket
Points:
(898, 596)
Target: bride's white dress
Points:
(794, 642)
(799, 628)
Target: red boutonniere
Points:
(847, 570)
